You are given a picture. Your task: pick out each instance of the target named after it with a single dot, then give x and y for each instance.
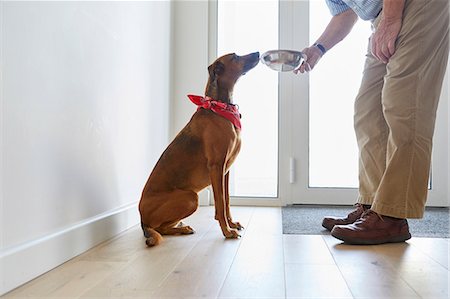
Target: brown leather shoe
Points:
(372, 229)
(329, 222)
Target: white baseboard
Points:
(22, 263)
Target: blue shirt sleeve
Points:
(337, 6)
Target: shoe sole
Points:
(356, 241)
(327, 227)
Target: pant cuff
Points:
(365, 199)
(397, 212)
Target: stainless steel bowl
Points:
(282, 60)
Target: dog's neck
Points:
(219, 94)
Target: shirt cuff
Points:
(337, 6)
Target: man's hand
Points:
(312, 55)
(384, 38)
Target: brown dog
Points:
(199, 156)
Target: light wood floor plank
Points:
(310, 269)
(315, 281)
(151, 266)
(394, 271)
(429, 280)
(202, 272)
(69, 280)
(437, 249)
(306, 249)
(264, 263)
(258, 268)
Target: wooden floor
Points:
(264, 263)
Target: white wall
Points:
(447, 87)
(84, 117)
(190, 64)
(190, 59)
(446, 93)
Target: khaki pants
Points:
(395, 112)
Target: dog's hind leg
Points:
(181, 204)
(161, 213)
(176, 229)
(153, 237)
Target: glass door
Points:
(333, 154)
(326, 152)
(244, 27)
(329, 153)
(298, 140)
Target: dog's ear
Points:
(216, 69)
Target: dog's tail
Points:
(153, 237)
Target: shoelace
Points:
(367, 213)
(357, 211)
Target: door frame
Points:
(296, 29)
(293, 149)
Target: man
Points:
(395, 110)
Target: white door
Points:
(299, 143)
(324, 145)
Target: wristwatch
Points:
(320, 47)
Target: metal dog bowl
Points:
(282, 60)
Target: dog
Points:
(200, 155)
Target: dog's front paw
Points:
(187, 230)
(231, 234)
(236, 225)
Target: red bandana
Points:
(229, 111)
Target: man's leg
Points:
(371, 129)
(410, 98)
(410, 95)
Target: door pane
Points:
(334, 83)
(245, 27)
